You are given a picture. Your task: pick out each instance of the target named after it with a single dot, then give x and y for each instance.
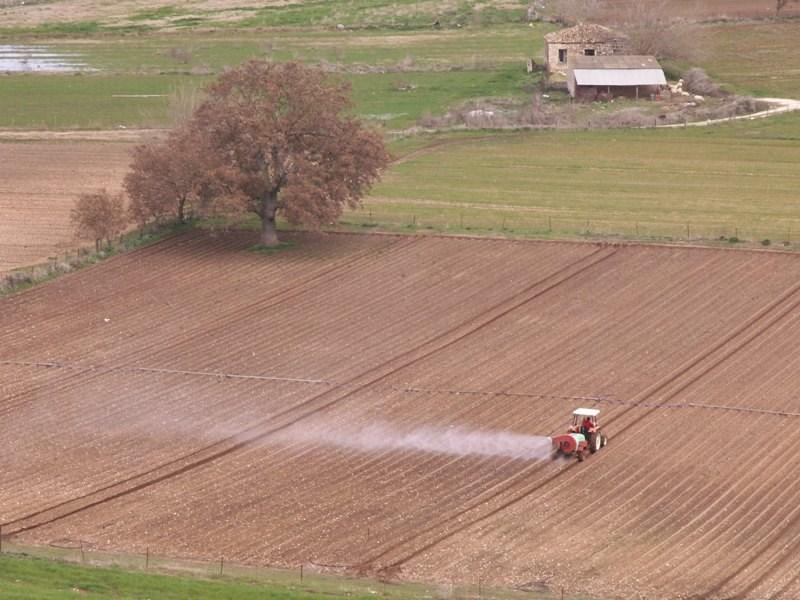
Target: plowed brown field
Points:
(197, 399)
(39, 187)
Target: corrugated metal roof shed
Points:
(619, 77)
(615, 61)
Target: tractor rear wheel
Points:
(595, 442)
(603, 442)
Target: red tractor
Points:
(584, 436)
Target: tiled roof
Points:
(584, 33)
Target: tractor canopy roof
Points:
(586, 412)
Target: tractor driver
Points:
(587, 426)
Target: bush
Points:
(627, 117)
(98, 216)
(697, 81)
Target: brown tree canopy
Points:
(98, 216)
(280, 141)
(167, 179)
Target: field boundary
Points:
(308, 576)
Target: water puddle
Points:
(39, 59)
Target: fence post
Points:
(1, 539)
(147, 558)
(549, 224)
(301, 572)
(221, 564)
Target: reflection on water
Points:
(24, 59)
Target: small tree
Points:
(167, 179)
(98, 216)
(780, 4)
(279, 141)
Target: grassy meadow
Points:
(753, 57)
(397, 77)
(27, 576)
(738, 180)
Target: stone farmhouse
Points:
(605, 77)
(584, 39)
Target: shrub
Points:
(697, 81)
(98, 216)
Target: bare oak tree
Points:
(651, 27)
(279, 140)
(166, 179)
(653, 30)
(98, 216)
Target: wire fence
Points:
(308, 576)
(776, 235)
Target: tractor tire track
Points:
(646, 394)
(251, 435)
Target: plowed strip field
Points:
(39, 187)
(306, 407)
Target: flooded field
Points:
(26, 58)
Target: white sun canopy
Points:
(586, 412)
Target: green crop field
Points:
(735, 180)
(395, 100)
(753, 57)
(397, 77)
(27, 576)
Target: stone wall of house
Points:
(578, 49)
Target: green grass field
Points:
(443, 67)
(96, 101)
(26, 576)
(734, 180)
(397, 77)
(754, 57)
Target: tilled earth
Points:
(202, 400)
(39, 185)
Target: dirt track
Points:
(164, 399)
(39, 183)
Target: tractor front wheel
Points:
(603, 442)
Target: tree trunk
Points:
(269, 206)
